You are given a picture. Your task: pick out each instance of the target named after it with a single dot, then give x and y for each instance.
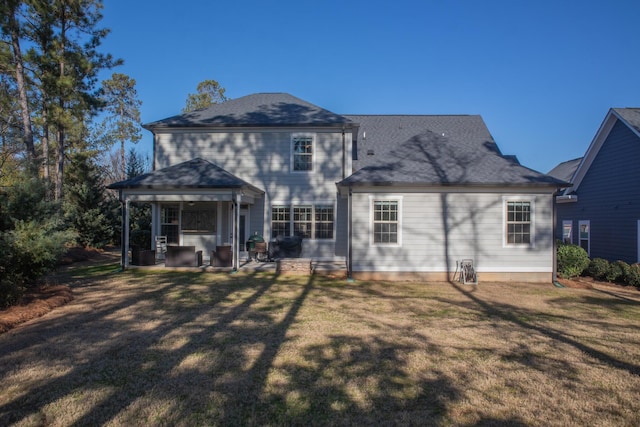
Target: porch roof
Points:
(192, 174)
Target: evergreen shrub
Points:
(598, 268)
(572, 260)
(617, 271)
(32, 238)
(633, 275)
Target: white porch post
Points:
(349, 235)
(155, 230)
(125, 231)
(236, 234)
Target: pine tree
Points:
(86, 207)
(122, 123)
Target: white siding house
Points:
(390, 196)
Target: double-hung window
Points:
(385, 218)
(280, 220)
(308, 221)
(302, 152)
(519, 222)
(170, 222)
(323, 226)
(303, 221)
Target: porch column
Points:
(124, 240)
(349, 235)
(236, 233)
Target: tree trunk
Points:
(46, 172)
(60, 125)
(22, 90)
(122, 158)
(59, 164)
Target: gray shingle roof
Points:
(257, 110)
(196, 173)
(434, 150)
(565, 170)
(631, 116)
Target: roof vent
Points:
(370, 153)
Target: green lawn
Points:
(176, 348)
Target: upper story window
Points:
(302, 152)
(519, 223)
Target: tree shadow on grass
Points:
(216, 349)
(518, 316)
(112, 344)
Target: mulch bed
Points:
(577, 283)
(35, 303)
(41, 299)
(629, 293)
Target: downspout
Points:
(344, 155)
(236, 225)
(554, 274)
(350, 235)
(155, 144)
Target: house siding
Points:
(608, 198)
(263, 159)
(441, 228)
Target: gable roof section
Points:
(192, 174)
(434, 150)
(565, 170)
(630, 117)
(257, 110)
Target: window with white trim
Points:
(305, 220)
(302, 221)
(302, 152)
(519, 223)
(323, 226)
(567, 231)
(280, 221)
(584, 235)
(385, 222)
(170, 223)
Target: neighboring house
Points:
(601, 211)
(390, 196)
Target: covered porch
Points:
(195, 204)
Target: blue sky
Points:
(542, 74)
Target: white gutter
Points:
(571, 198)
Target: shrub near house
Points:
(571, 263)
(572, 260)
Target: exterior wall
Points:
(263, 159)
(441, 228)
(206, 242)
(609, 198)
